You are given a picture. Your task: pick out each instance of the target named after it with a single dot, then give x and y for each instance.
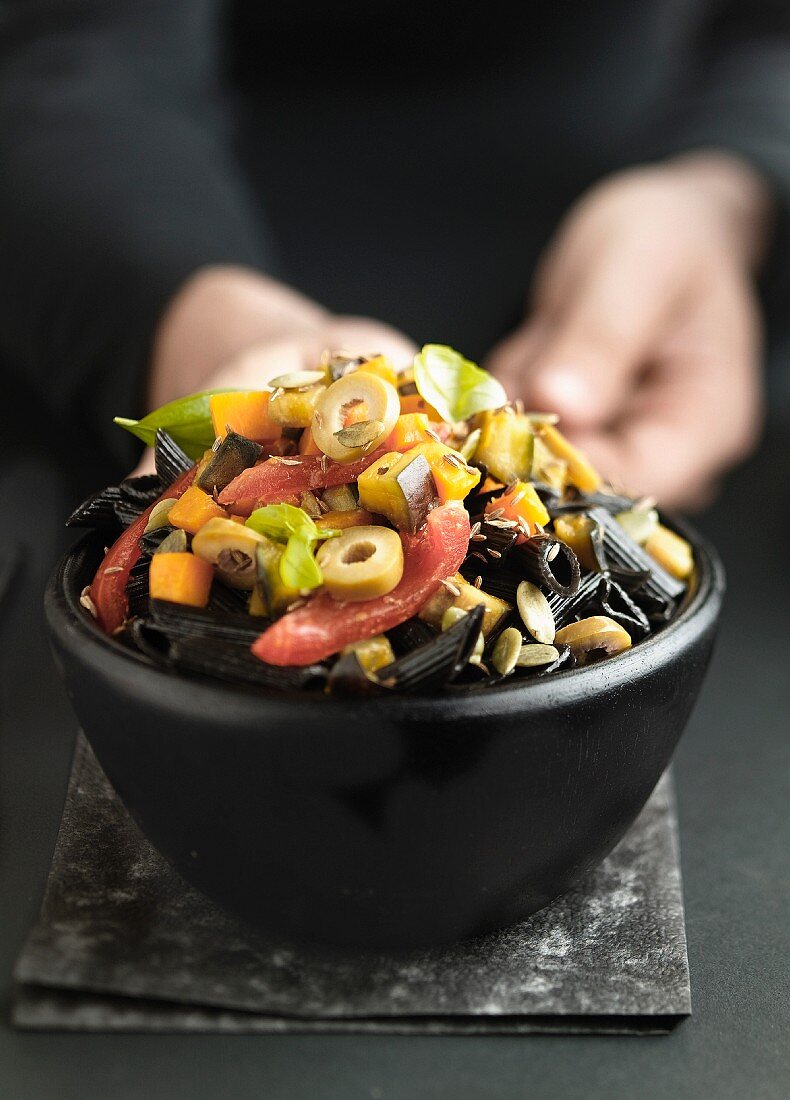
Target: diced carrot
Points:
(193, 510)
(410, 429)
(307, 445)
(413, 403)
(381, 365)
(339, 521)
(521, 503)
(245, 412)
(180, 578)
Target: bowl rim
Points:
(73, 628)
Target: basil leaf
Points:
(298, 567)
(456, 387)
(280, 521)
(187, 420)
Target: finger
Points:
(598, 341)
(146, 465)
(509, 359)
(696, 415)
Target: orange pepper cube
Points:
(245, 412)
(521, 503)
(193, 509)
(180, 578)
(381, 365)
(410, 429)
(413, 403)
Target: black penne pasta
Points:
(618, 605)
(437, 663)
(623, 552)
(566, 609)
(409, 636)
(152, 540)
(171, 461)
(574, 501)
(98, 511)
(179, 621)
(137, 586)
(224, 599)
(499, 578)
(550, 564)
(236, 665)
(142, 490)
(348, 677)
(497, 541)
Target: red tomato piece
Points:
(324, 625)
(275, 480)
(108, 589)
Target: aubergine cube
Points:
(234, 454)
(400, 487)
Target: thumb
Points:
(594, 351)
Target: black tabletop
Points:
(732, 778)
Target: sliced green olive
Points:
(382, 405)
(362, 563)
(597, 636)
(229, 546)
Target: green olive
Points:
(362, 563)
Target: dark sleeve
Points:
(117, 183)
(735, 95)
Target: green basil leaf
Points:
(456, 387)
(298, 567)
(187, 420)
(280, 521)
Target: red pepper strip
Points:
(324, 625)
(108, 590)
(276, 479)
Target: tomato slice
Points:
(108, 590)
(324, 625)
(278, 479)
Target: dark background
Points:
(442, 243)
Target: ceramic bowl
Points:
(372, 823)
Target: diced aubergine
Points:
(400, 487)
(234, 454)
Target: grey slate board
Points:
(123, 943)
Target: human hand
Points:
(644, 333)
(234, 327)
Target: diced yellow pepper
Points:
(671, 551)
(580, 472)
(505, 444)
(469, 598)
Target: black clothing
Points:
(410, 160)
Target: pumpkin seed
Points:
(297, 380)
(476, 656)
(452, 616)
(506, 651)
(532, 656)
(639, 524)
(159, 514)
(533, 607)
(470, 445)
(361, 434)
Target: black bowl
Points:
(369, 823)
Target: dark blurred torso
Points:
(413, 160)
